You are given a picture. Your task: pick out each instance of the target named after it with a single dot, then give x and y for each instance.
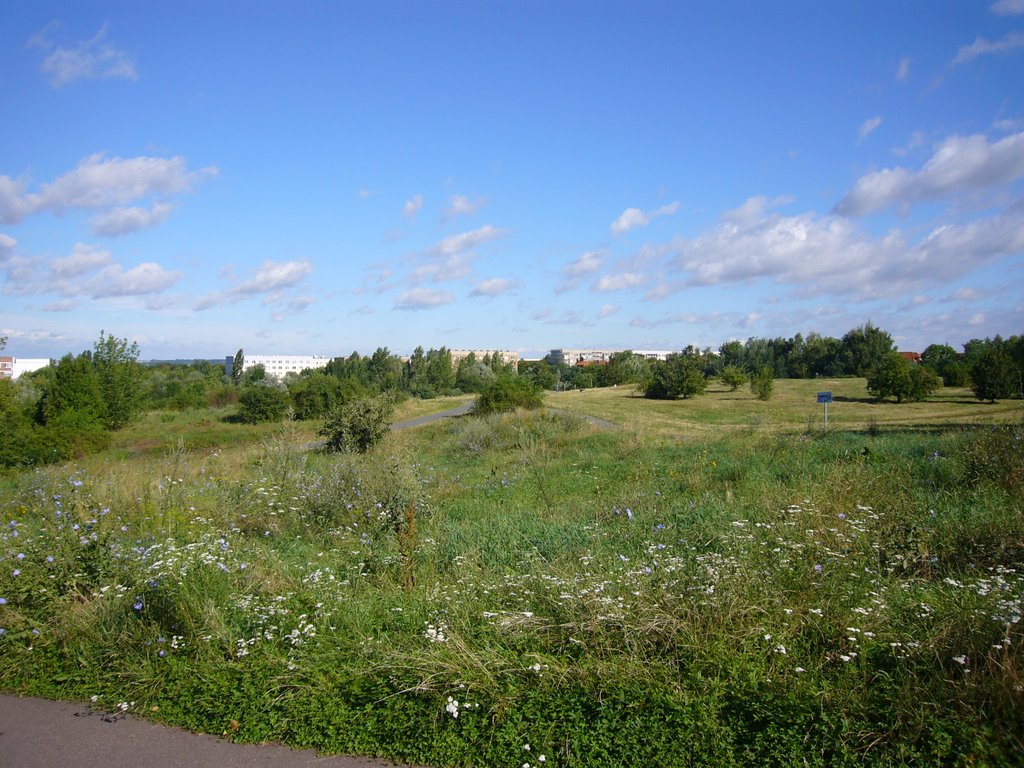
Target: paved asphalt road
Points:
(37, 733)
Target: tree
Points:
(315, 395)
(357, 426)
(993, 375)
(861, 349)
(540, 372)
(676, 376)
(626, 368)
(733, 377)
(762, 384)
(261, 402)
(121, 379)
(71, 387)
(507, 393)
(236, 367)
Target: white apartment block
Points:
(591, 356)
(277, 366)
(13, 367)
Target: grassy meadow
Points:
(719, 582)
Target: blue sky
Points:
(323, 177)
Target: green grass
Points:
(755, 595)
(793, 406)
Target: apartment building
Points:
(507, 357)
(13, 367)
(599, 356)
(277, 366)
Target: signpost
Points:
(825, 398)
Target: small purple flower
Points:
(16, 572)
(21, 555)
(629, 513)
(138, 605)
(49, 558)
(3, 601)
(162, 653)
(817, 567)
(842, 515)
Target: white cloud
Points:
(619, 282)
(967, 294)
(423, 298)
(7, 246)
(100, 182)
(903, 70)
(960, 163)
(460, 205)
(412, 206)
(145, 278)
(983, 47)
(1007, 7)
(755, 208)
(493, 287)
(454, 244)
(868, 127)
(60, 306)
(607, 311)
(632, 218)
(123, 221)
(272, 276)
(579, 268)
(92, 59)
(83, 259)
(826, 254)
(438, 270)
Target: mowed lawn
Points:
(793, 406)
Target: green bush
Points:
(763, 383)
(357, 426)
(259, 402)
(677, 376)
(507, 393)
(733, 377)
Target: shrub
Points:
(507, 393)
(358, 425)
(259, 403)
(676, 376)
(733, 377)
(993, 375)
(763, 383)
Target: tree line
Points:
(73, 406)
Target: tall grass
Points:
(487, 592)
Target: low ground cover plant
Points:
(557, 595)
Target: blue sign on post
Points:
(826, 398)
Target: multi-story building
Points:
(13, 367)
(277, 366)
(507, 357)
(592, 356)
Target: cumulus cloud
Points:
(493, 287)
(1008, 7)
(412, 206)
(619, 282)
(579, 268)
(7, 246)
(967, 294)
(122, 221)
(460, 205)
(868, 127)
(60, 306)
(92, 59)
(273, 276)
(983, 47)
(960, 163)
(465, 241)
(441, 269)
(546, 316)
(632, 218)
(99, 181)
(423, 298)
(140, 280)
(83, 259)
(828, 254)
(607, 311)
